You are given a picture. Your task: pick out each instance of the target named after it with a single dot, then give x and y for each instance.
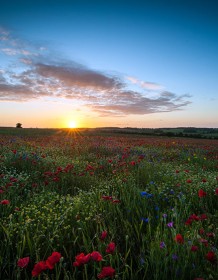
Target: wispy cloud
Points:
(40, 77)
(4, 34)
(144, 84)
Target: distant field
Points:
(204, 133)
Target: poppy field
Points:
(89, 206)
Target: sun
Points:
(72, 124)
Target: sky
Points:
(102, 63)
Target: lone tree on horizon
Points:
(19, 125)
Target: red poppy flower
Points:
(204, 180)
(194, 217)
(211, 234)
(216, 191)
(116, 201)
(201, 193)
(211, 257)
(204, 241)
(110, 248)
(96, 256)
(22, 263)
(189, 221)
(5, 202)
(81, 259)
(194, 248)
(189, 181)
(38, 268)
(203, 217)
(179, 239)
(106, 197)
(107, 271)
(103, 235)
(53, 259)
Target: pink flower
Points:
(107, 271)
(110, 248)
(22, 263)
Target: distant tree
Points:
(19, 125)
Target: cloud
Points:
(37, 76)
(135, 103)
(26, 61)
(144, 85)
(15, 93)
(9, 51)
(104, 94)
(4, 34)
(78, 76)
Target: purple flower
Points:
(162, 245)
(170, 224)
(174, 257)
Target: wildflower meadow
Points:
(90, 206)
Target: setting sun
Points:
(72, 124)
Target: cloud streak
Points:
(108, 95)
(144, 85)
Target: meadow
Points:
(77, 205)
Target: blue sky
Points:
(109, 63)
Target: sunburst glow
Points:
(72, 124)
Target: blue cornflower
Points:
(143, 193)
(146, 194)
(146, 220)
